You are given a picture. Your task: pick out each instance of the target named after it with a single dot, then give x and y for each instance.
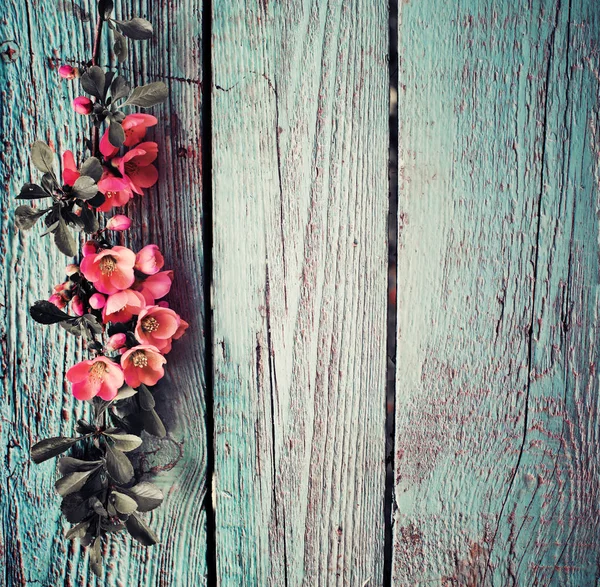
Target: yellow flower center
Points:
(97, 371)
(149, 324)
(110, 194)
(107, 265)
(139, 359)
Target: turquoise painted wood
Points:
(497, 426)
(34, 401)
(300, 192)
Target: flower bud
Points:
(118, 222)
(77, 306)
(57, 301)
(71, 269)
(89, 248)
(116, 341)
(67, 72)
(97, 301)
(149, 260)
(82, 105)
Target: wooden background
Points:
(494, 462)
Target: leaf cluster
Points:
(69, 204)
(109, 90)
(98, 486)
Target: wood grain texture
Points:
(300, 139)
(35, 402)
(498, 270)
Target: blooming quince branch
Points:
(112, 297)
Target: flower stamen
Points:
(150, 324)
(107, 265)
(139, 359)
(98, 371)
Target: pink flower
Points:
(157, 326)
(70, 173)
(57, 300)
(97, 301)
(142, 364)
(110, 270)
(156, 286)
(135, 126)
(89, 248)
(67, 72)
(122, 306)
(116, 192)
(183, 326)
(77, 306)
(119, 222)
(82, 105)
(149, 260)
(136, 166)
(116, 341)
(98, 377)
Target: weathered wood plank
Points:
(300, 119)
(34, 402)
(497, 389)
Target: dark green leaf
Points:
(75, 508)
(105, 8)
(125, 442)
(96, 558)
(123, 503)
(118, 465)
(84, 427)
(148, 496)
(116, 134)
(97, 200)
(42, 156)
(120, 47)
(92, 323)
(73, 481)
(51, 227)
(98, 507)
(89, 220)
(63, 239)
(119, 88)
(107, 82)
(138, 29)
(67, 465)
(138, 528)
(145, 398)
(125, 392)
(92, 168)
(26, 217)
(49, 182)
(78, 531)
(73, 327)
(46, 312)
(153, 424)
(31, 191)
(85, 188)
(51, 447)
(92, 81)
(149, 95)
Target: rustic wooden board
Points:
(497, 388)
(300, 140)
(34, 402)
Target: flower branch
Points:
(112, 297)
